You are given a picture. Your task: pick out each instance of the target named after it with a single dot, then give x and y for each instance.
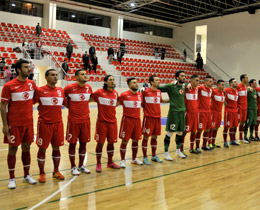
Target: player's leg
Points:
(178, 140)
(100, 137)
(134, 153)
(99, 149)
(257, 125)
(179, 121)
(136, 135)
(206, 134)
(241, 124)
(154, 157)
(199, 131)
(144, 150)
(11, 160)
(166, 146)
(247, 126)
(213, 137)
(205, 140)
(124, 134)
(123, 147)
(170, 128)
(146, 131)
(252, 126)
(233, 129)
(56, 156)
(111, 138)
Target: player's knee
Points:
(12, 150)
(26, 147)
(179, 133)
(55, 147)
(154, 137)
(169, 134)
(146, 137)
(125, 142)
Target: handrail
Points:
(208, 59)
(54, 59)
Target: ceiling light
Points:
(132, 4)
(13, 4)
(73, 16)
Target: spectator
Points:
(110, 54)
(92, 51)
(7, 74)
(32, 49)
(163, 51)
(38, 30)
(25, 47)
(119, 56)
(122, 48)
(13, 73)
(199, 62)
(85, 59)
(115, 56)
(2, 65)
(38, 48)
(32, 67)
(94, 61)
(156, 52)
(65, 67)
(184, 55)
(69, 50)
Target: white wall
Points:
(233, 42)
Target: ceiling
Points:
(177, 11)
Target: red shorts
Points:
(50, 133)
(204, 121)
(19, 134)
(258, 115)
(230, 119)
(151, 126)
(242, 115)
(79, 131)
(106, 130)
(191, 120)
(130, 128)
(216, 119)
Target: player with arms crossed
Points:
(78, 128)
(17, 97)
(131, 122)
(50, 125)
(230, 113)
(106, 126)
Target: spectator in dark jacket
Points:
(85, 59)
(110, 54)
(2, 65)
(92, 51)
(94, 61)
(119, 56)
(38, 29)
(122, 48)
(65, 67)
(69, 50)
(163, 51)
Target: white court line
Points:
(59, 190)
(3, 149)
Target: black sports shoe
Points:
(205, 148)
(216, 146)
(194, 151)
(251, 138)
(249, 141)
(257, 138)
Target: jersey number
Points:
(40, 141)
(172, 126)
(12, 138)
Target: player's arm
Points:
(4, 119)
(165, 101)
(165, 88)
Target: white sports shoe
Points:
(84, 170)
(122, 163)
(29, 180)
(167, 156)
(12, 184)
(75, 171)
(244, 141)
(137, 162)
(180, 154)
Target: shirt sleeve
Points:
(95, 95)
(36, 97)
(165, 88)
(120, 99)
(6, 94)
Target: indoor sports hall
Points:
(158, 37)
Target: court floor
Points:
(219, 179)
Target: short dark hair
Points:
(48, 72)
(77, 72)
(19, 63)
(219, 81)
(177, 74)
(231, 80)
(208, 77)
(194, 76)
(151, 78)
(242, 77)
(251, 81)
(130, 79)
(105, 80)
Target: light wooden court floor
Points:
(220, 179)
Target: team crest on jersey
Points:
(54, 101)
(111, 102)
(135, 103)
(181, 91)
(82, 97)
(155, 100)
(25, 95)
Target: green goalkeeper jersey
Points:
(176, 95)
(252, 100)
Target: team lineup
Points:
(193, 109)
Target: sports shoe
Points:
(207, 148)
(184, 153)
(146, 161)
(198, 151)
(137, 162)
(251, 138)
(226, 145)
(12, 184)
(29, 179)
(216, 146)
(122, 163)
(257, 138)
(156, 159)
(83, 169)
(245, 141)
(167, 156)
(42, 178)
(211, 146)
(99, 168)
(113, 165)
(234, 143)
(58, 175)
(75, 171)
(194, 151)
(180, 154)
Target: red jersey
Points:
(217, 101)
(19, 96)
(78, 101)
(258, 97)
(204, 98)
(131, 103)
(231, 97)
(242, 96)
(50, 103)
(191, 100)
(106, 104)
(151, 103)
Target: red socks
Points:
(56, 159)
(110, 152)
(241, 131)
(72, 154)
(123, 150)
(154, 146)
(198, 139)
(82, 153)
(11, 159)
(41, 161)
(26, 159)
(144, 147)
(192, 139)
(225, 132)
(134, 149)
(205, 138)
(99, 148)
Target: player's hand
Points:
(251, 89)
(6, 131)
(188, 86)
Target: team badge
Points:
(54, 101)
(82, 97)
(181, 91)
(25, 95)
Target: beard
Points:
(181, 81)
(134, 89)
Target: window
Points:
(64, 15)
(15, 7)
(37, 10)
(27, 8)
(132, 26)
(82, 18)
(73, 17)
(139, 28)
(4, 5)
(99, 21)
(91, 20)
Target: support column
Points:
(117, 26)
(49, 15)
